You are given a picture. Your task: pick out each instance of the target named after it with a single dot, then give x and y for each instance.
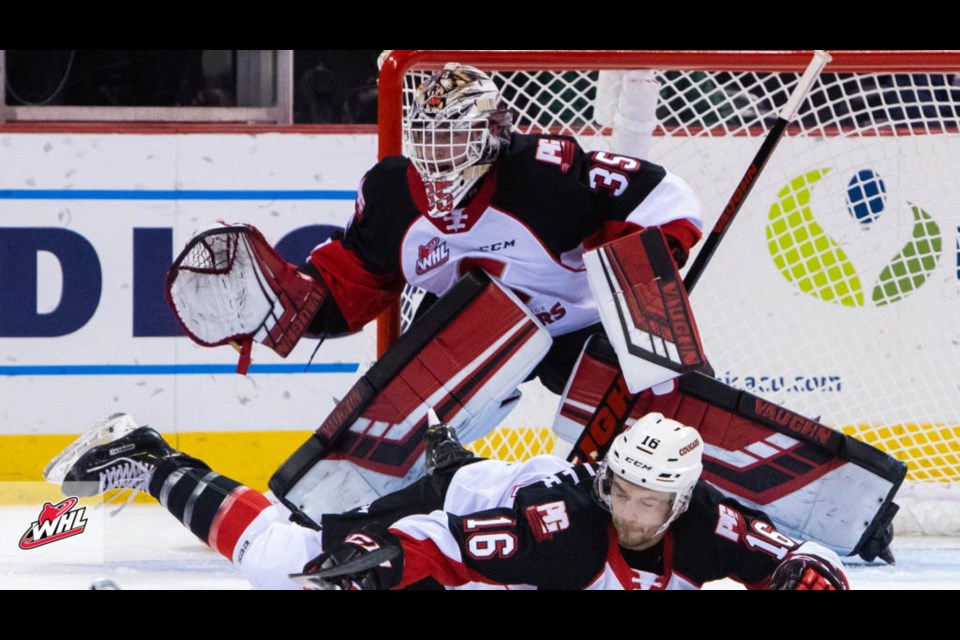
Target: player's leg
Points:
(233, 519)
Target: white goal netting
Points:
(837, 291)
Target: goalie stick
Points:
(730, 211)
(617, 401)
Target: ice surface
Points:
(145, 548)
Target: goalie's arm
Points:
(362, 268)
(357, 294)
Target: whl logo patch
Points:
(55, 522)
(432, 255)
(819, 265)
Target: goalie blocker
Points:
(464, 358)
(644, 309)
(647, 318)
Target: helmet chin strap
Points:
(680, 503)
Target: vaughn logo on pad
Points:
(55, 522)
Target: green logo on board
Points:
(816, 263)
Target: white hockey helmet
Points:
(655, 453)
(453, 131)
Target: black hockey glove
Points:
(808, 573)
(679, 254)
(362, 562)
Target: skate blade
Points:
(113, 428)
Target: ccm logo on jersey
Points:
(498, 246)
(432, 255)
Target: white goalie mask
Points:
(453, 131)
(656, 453)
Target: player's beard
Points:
(636, 536)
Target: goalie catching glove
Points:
(229, 286)
(808, 573)
(362, 562)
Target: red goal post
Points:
(837, 290)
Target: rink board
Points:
(89, 221)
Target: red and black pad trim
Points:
(762, 452)
(444, 360)
(318, 445)
(597, 382)
(732, 419)
(574, 413)
(611, 415)
(640, 265)
(396, 457)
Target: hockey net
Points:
(837, 291)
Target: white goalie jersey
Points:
(535, 212)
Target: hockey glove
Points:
(808, 573)
(362, 562)
(230, 286)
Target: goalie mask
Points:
(651, 470)
(453, 132)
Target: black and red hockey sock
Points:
(214, 507)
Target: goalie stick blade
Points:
(362, 563)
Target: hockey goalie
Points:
(544, 262)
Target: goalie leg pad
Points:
(813, 482)
(596, 404)
(588, 389)
(464, 358)
(644, 309)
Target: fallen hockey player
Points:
(640, 519)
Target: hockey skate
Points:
(442, 447)
(114, 454)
